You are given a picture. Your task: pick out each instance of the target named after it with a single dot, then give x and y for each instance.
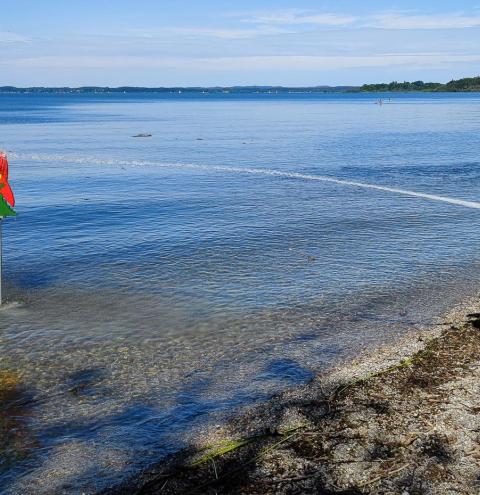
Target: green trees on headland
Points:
(402, 86)
(465, 84)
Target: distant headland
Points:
(468, 84)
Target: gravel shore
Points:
(404, 419)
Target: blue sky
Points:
(210, 42)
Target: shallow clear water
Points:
(157, 283)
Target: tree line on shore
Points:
(459, 85)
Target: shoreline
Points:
(398, 419)
(258, 93)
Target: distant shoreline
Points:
(181, 89)
(465, 85)
(284, 91)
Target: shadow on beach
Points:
(409, 427)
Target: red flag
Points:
(5, 189)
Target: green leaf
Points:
(5, 210)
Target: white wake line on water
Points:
(321, 178)
(241, 170)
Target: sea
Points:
(154, 286)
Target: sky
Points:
(224, 43)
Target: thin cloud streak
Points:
(7, 37)
(296, 17)
(402, 21)
(379, 20)
(285, 62)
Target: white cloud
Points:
(383, 20)
(296, 17)
(299, 62)
(245, 63)
(407, 21)
(8, 37)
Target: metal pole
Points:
(1, 260)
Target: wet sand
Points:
(403, 419)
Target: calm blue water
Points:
(154, 284)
